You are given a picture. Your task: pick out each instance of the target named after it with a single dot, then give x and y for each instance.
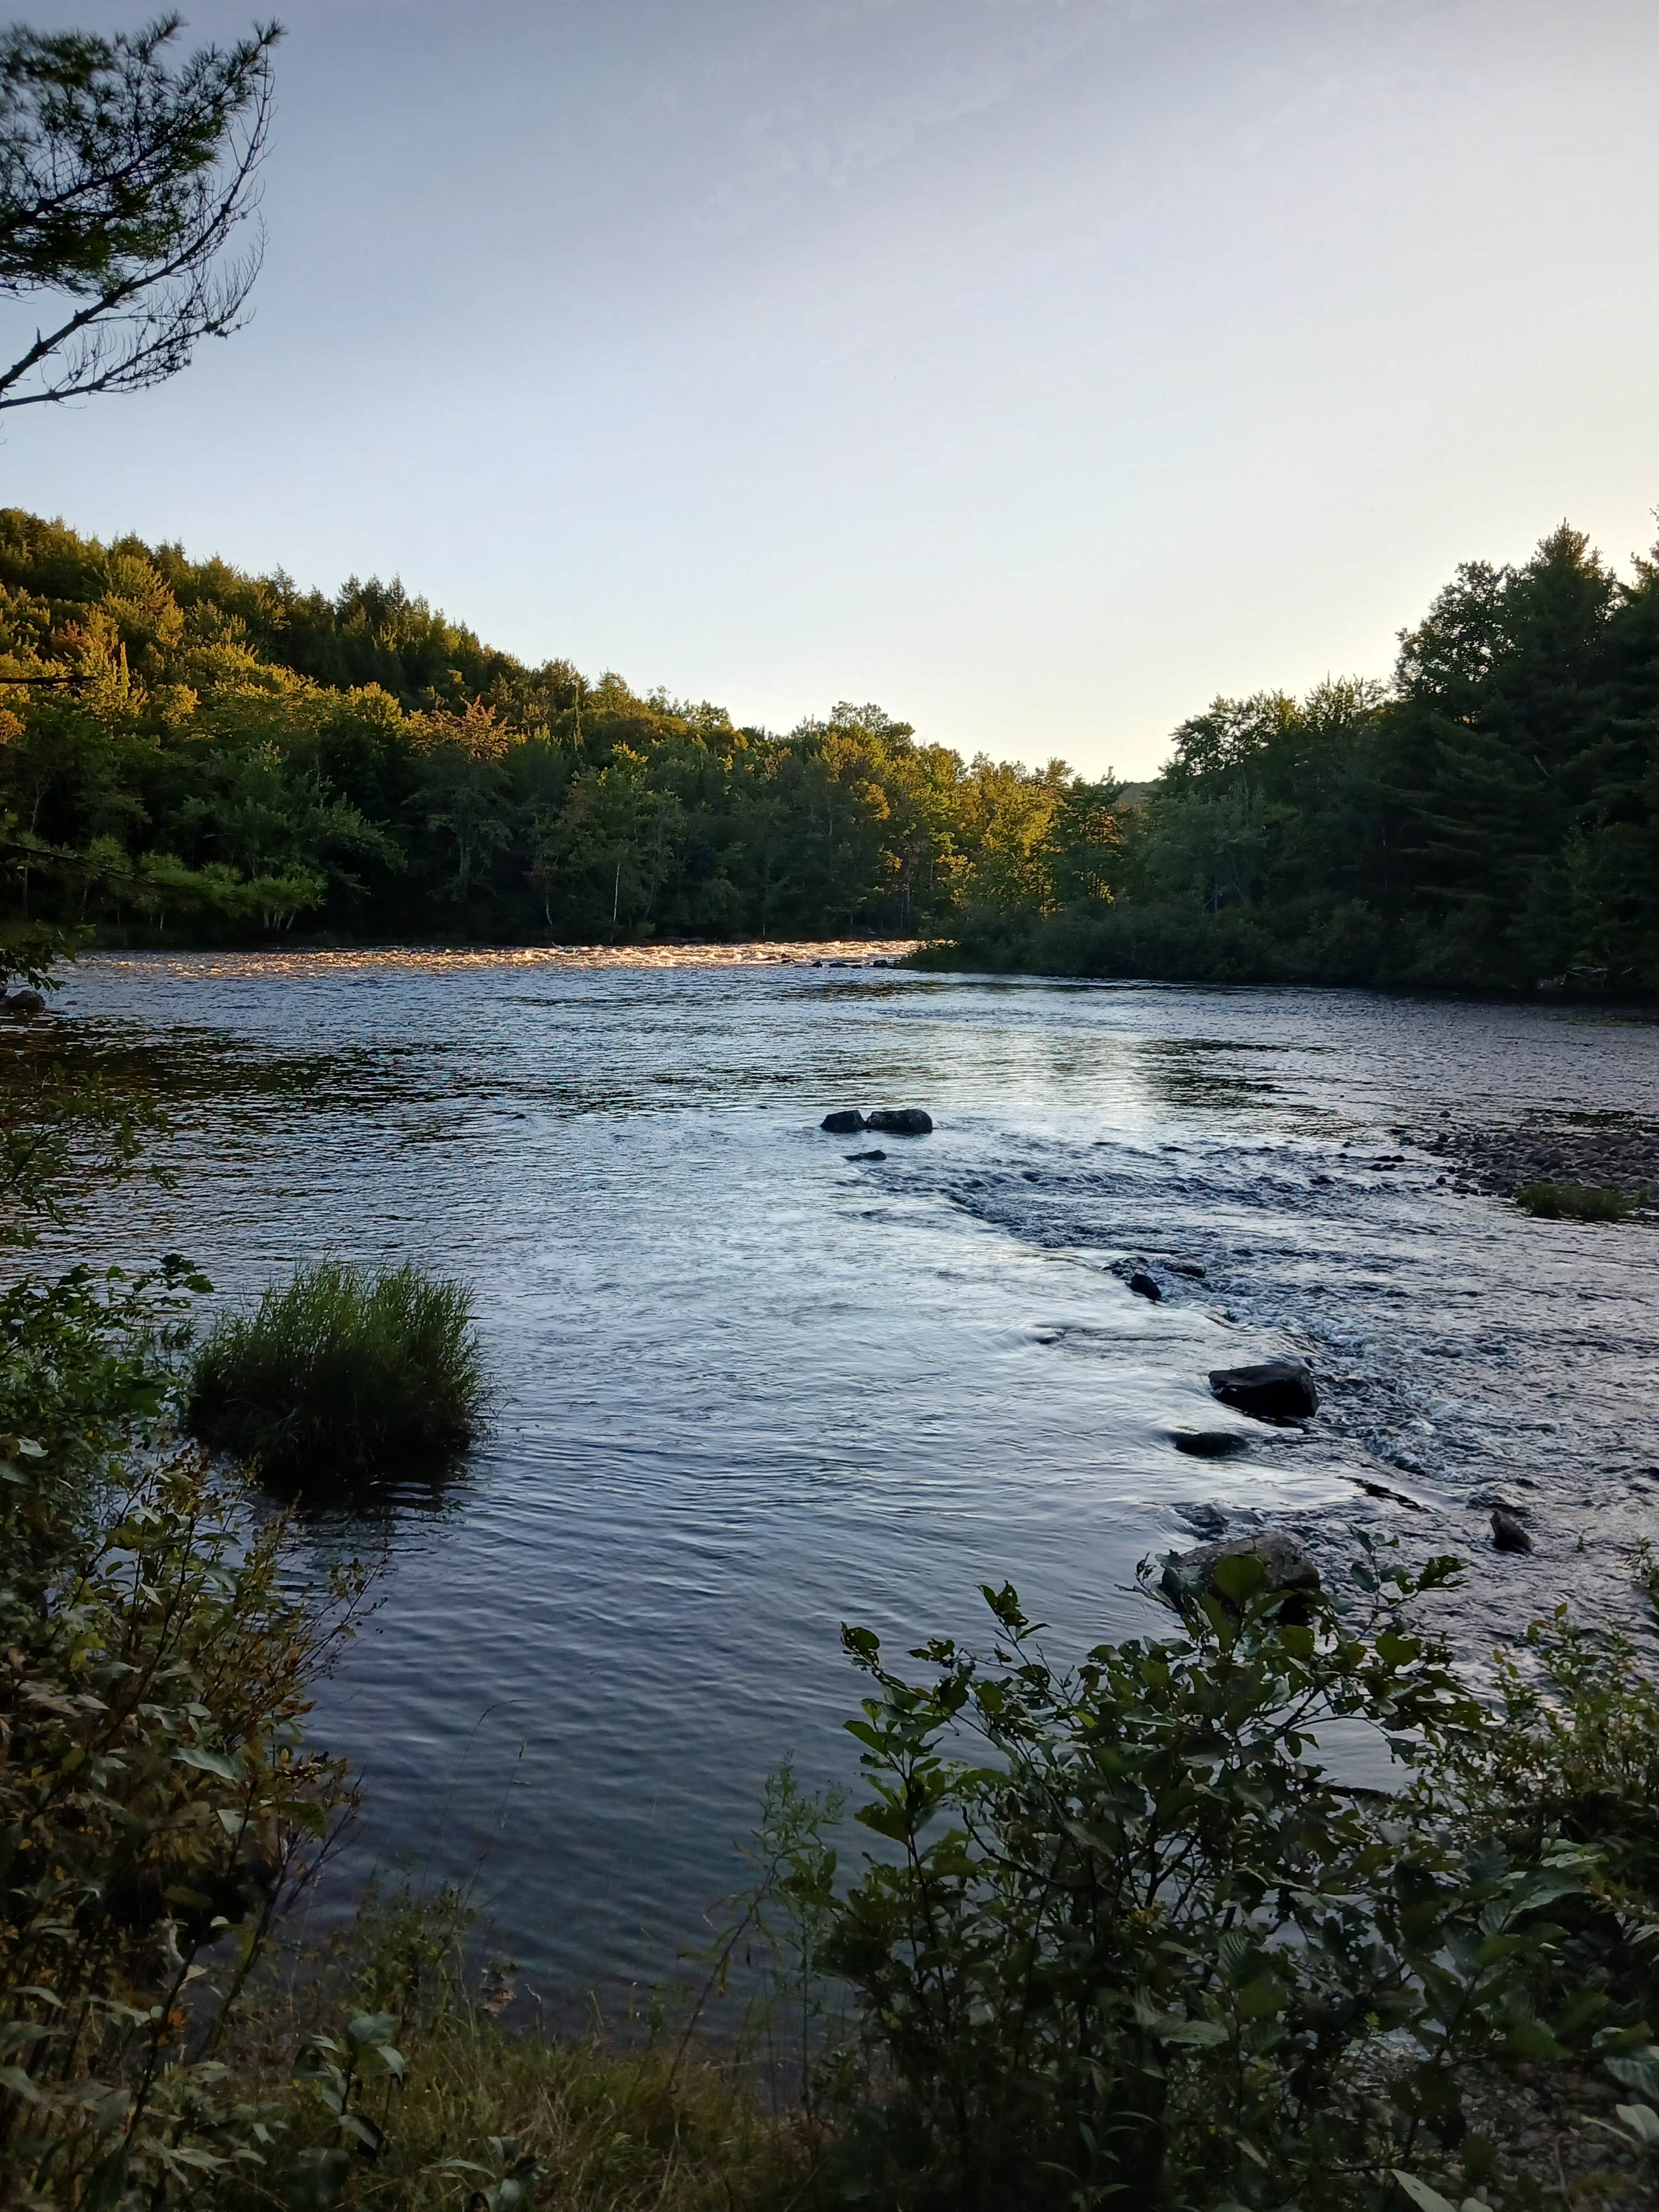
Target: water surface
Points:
(748, 1389)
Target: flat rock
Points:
(1286, 1559)
(846, 1122)
(877, 1154)
(900, 1122)
(1271, 1389)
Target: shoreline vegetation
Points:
(1118, 1934)
(190, 755)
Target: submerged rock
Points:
(1144, 1287)
(1287, 1562)
(1507, 1533)
(876, 1155)
(1272, 1389)
(1208, 1444)
(1187, 1267)
(900, 1122)
(846, 1122)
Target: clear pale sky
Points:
(1037, 368)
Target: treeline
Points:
(1488, 819)
(224, 754)
(213, 754)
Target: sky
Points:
(1037, 369)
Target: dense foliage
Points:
(232, 753)
(1128, 1938)
(1489, 820)
(228, 755)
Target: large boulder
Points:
(23, 1005)
(846, 1122)
(1285, 1558)
(900, 1122)
(1272, 1389)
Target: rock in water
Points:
(1208, 1444)
(846, 1123)
(1285, 1558)
(900, 1122)
(1144, 1287)
(877, 1154)
(1273, 1389)
(23, 1004)
(1507, 1533)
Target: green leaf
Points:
(1261, 1998)
(1640, 2070)
(1202, 2034)
(1642, 2122)
(209, 1762)
(1530, 2039)
(1430, 2200)
(371, 2028)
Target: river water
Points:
(747, 1388)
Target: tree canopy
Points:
(124, 182)
(226, 755)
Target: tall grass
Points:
(342, 1372)
(1577, 1201)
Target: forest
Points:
(189, 753)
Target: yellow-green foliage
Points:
(228, 754)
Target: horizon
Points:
(1038, 372)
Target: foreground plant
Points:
(1144, 1947)
(342, 1373)
(158, 1801)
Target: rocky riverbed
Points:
(1597, 1149)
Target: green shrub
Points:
(1577, 1201)
(342, 1372)
(1138, 1945)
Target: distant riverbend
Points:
(748, 1387)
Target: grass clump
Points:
(1577, 1201)
(342, 1371)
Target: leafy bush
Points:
(1569, 1749)
(155, 1789)
(1141, 1946)
(157, 1794)
(1577, 1201)
(342, 1372)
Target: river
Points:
(747, 1388)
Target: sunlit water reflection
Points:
(747, 1389)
